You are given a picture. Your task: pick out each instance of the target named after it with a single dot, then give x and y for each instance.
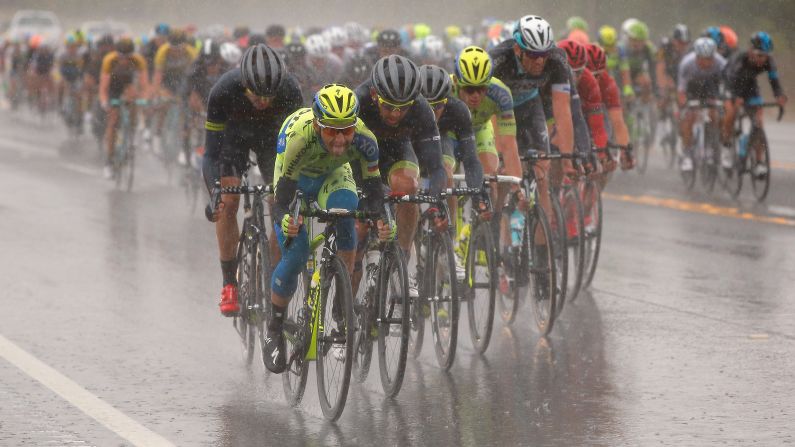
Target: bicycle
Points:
(382, 311)
(528, 264)
(480, 254)
(670, 131)
(123, 163)
(591, 198)
(750, 139)
(71, 111)
(321, 326)
(642, 131)
(705, 147)
(193, 180)
(172, 132)
(253, 265)
(437, 284)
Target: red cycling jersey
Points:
(609, 88)
(591, 99)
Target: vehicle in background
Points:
(95, 29)
(26, 23)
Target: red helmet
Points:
(575, 52)
(597, 59)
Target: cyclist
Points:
(245, 110)
(70, 67)
(404, 124)
(42, 62)
(597, 64)
(741, 74)
(700, 77)
(123, 76)
(150, 49)
(386, 44)
(640, 54)
(725, 38)
(296, 61)
(172, 62)
(315, 148)
(617, 64)
(324, 66)
(274, 36)
(357, 70)
(539, 77)
(491, 105)
(671, 51)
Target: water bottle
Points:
(517, 225)
(743, 145)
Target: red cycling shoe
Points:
(229, 304)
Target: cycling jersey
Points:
(497, 102)
(174, 62)
(641, 61)
(71, 67)
(609, 89)
(329, 71)
(121, 74)
(670, 58)
(43, 61)
(741, 77)
(616, 60)
(234, 126)
(591, 103)
(458, 140)
(414, 142)
(200, 82)
(700, 83)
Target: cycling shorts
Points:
(484, 144)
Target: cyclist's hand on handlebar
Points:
(483, 209)
(290, 227)
(439, 221)
(387, 231)
(627, 160)
(568, 169)
(213, 214)
(782, 100)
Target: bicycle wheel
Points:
(513, 270)
(480, 289)
(638, 137)
(419, 305)
(443, 297)
(247, 285)
(297, 335)
(557, 224)
(262, 301)
(668, 142)
(759, 183)
(592, 229)
(542, 270)
(393, 315)
(575, 241)
(364, 313)
(334, 338)
(711, 161)
(689, 177)
(171, 144)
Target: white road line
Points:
(781, 210)
(73, 393)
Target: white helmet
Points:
(627, 24)
(459, 43)
(704, 47)
(317, 46)
(533, 33)
(357, 34)
(434, 48)
(230, 53)
(336, 36)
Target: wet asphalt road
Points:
(686, 337)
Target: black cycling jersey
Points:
(457, 120)
(148, 52)
(234, 126)
(524, 86)
(43, 60)
(418, 128)
(200, 82)
(741, 76)
(671, 58)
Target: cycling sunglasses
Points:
(332, 131)
(394, 107)
(535, 54)
(265, 98)
(472, 89)
(436, 105)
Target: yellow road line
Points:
(697, 207)
(783, 165)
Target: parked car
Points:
(26, 23)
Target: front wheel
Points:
(480, 286)
(297, 334)
(574, 215)
(542, 270)
(334, 338)
(760, 183)
(592, 229)
(393, 319)
(443, 296)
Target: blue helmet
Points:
(762, 41)
(162, 29)
(713, 32)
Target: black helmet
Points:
(396, 79)
(256, 39)
(357, 67)
(262, 70)
(105, 40)
(295, 51)
(240, 31)
(177, 37)
(388, 38)
(275, 31)
(125, 45)
(435, 83)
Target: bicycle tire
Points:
(418, 304)
(711, 161)
(542, 270)
(479, 251)
(334, 276)
(247, 283)
(393, 292)
(263, 295)
(592, 228)
(513, 273)
(443, 296)
(297, 333)
(575, 243)
(760, 186)
(561, 254)
(364, 312)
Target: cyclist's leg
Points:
(449, 146)
(339, 191)
(231, 163)
(403, 177)
(111, 122)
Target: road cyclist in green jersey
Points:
(314, 150)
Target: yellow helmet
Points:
(335, 106)
(473, 67)
(608, 36)
(421, 30)
(452, 31)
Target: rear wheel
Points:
(247, 286)
(710, 162)
(759, 183)
(480, 286)
(575, 240)
(419, 305)
(557, 224)
(513, 268)
(393, 327)
(334, 338)
(592, 229)
(542, 270)
(443, 297)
